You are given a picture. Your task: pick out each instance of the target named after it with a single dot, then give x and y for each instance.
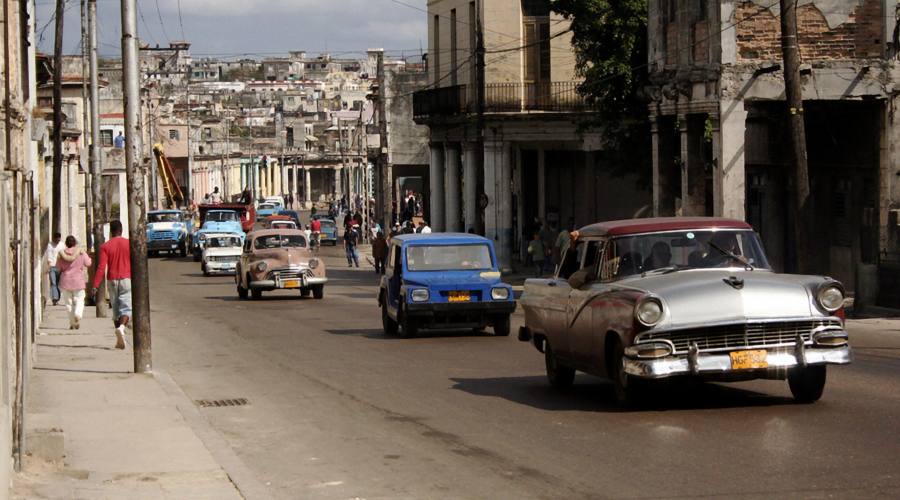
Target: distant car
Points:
(648, 299)
(278, 201)
(266, 209)
(279, 259)
(329, 233)
(215, 221)
(443, 280)
(293, 214)
(221, 253)
(275, 222)
(168, 231)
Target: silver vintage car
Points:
(646, 299)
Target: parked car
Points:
(443, 280)
(168, 231)
(275, 259)
(329, 233)
(221, 253)
(646, 299)
(215, 221)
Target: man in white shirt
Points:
(50, 256)
(424, 228)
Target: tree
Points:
(610, 42)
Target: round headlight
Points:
(831, 298)
(649, 312)
(313, 263)
(262, 266)
(500, 293)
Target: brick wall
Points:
(672, 43)
(701, 42)
(759, 37)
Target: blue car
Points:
(266, 209)
(329, 232)
(167, 231)
(443, 281)
(216, 221)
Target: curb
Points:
(240, 475)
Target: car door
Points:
(580, 305)
(552, 295)
(394, 279)
(241, 272)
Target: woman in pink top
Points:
(72, 263)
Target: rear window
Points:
(448, 257)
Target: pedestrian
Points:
(119, 141)
(351, 240)
(216, 196)
(536, 252)
(423, 228)
(115, 263)
(379, 252)
(50, 257)
(72, 280)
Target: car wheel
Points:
(559, 375)
(152, 253)
(501, 326)
(304, 292)
(389, 325)
(242, 292)
(628, 389)
(807, 384)
(256, 294)
(183, 250)
(197, 256)
(408, 326)
(318, 291)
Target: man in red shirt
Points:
(115, 263)
(315, 227)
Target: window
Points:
(106, 138)
(174, 135)
(207, 133)
(702, 12)
(537, 50)
(453, 62)
(436, 49)
(473, 41)
(448, 257)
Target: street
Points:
(337, 410)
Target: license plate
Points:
(290, 284)
(748, 360)
(459, 296)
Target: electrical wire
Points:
(161, 23)
(180, 22)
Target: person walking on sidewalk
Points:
(50, 256)
(72, 264)
(115, 262)
(351, 240)
(379, 252)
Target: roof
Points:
(268, 232)
(164, 212)
(443, 238)
(656, 224)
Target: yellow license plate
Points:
(290, 284)
(748, 360)
(459, 296)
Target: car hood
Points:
(165, 226)
(705, 296)
(452, 278)
(222, 251)
(283, 257)
(223, 227)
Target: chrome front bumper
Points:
(720, 362)
(276, 284)
(221, 267)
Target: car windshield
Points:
(221, 216)
(327, 224)
(223, 242)
(448, 257)
(677, 250)
(280, 241)
(164, 217)
(284, 224)
(266, 206)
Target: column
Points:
(656, 185)
(436, 188)
(498, 214)
(338, 192)
(307, 188)
(451, 188)
(733, 127)
(470, 185)
(686, 208)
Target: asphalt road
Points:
(338, 410)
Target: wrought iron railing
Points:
(500, 98)
(444, 101)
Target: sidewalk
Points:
(96, 430)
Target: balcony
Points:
(560, 97)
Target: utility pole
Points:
(793, 90)
(190, 151)
(479, 90)
(99, 217)
(384, 169)
(56, 210)
(135, 173)
(86, 121)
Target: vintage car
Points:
(215, 221)
(645, 299)
(276, 259)
(329, 232)
(443, 281)
(168, 231)
(275, 222)
(266, 209)
(221, 253)
(293, 214)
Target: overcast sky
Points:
(257, 28)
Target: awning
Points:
(312, 138)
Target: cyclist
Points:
(316, 230)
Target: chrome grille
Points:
(289, 273)
(162, 235)
(743, 335)
(223, 258)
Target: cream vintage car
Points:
(221, 252)
(279, 259)
(645, 299)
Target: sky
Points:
(252, 28)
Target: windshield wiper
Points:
(735, 257)
(662, 270)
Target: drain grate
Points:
(215, 403)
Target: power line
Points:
(161, 23)
(146, 26)
(180, 22)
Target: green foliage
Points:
(610, 42)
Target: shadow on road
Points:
(378, 334)
(534, 391)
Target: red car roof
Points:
(657, 224)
